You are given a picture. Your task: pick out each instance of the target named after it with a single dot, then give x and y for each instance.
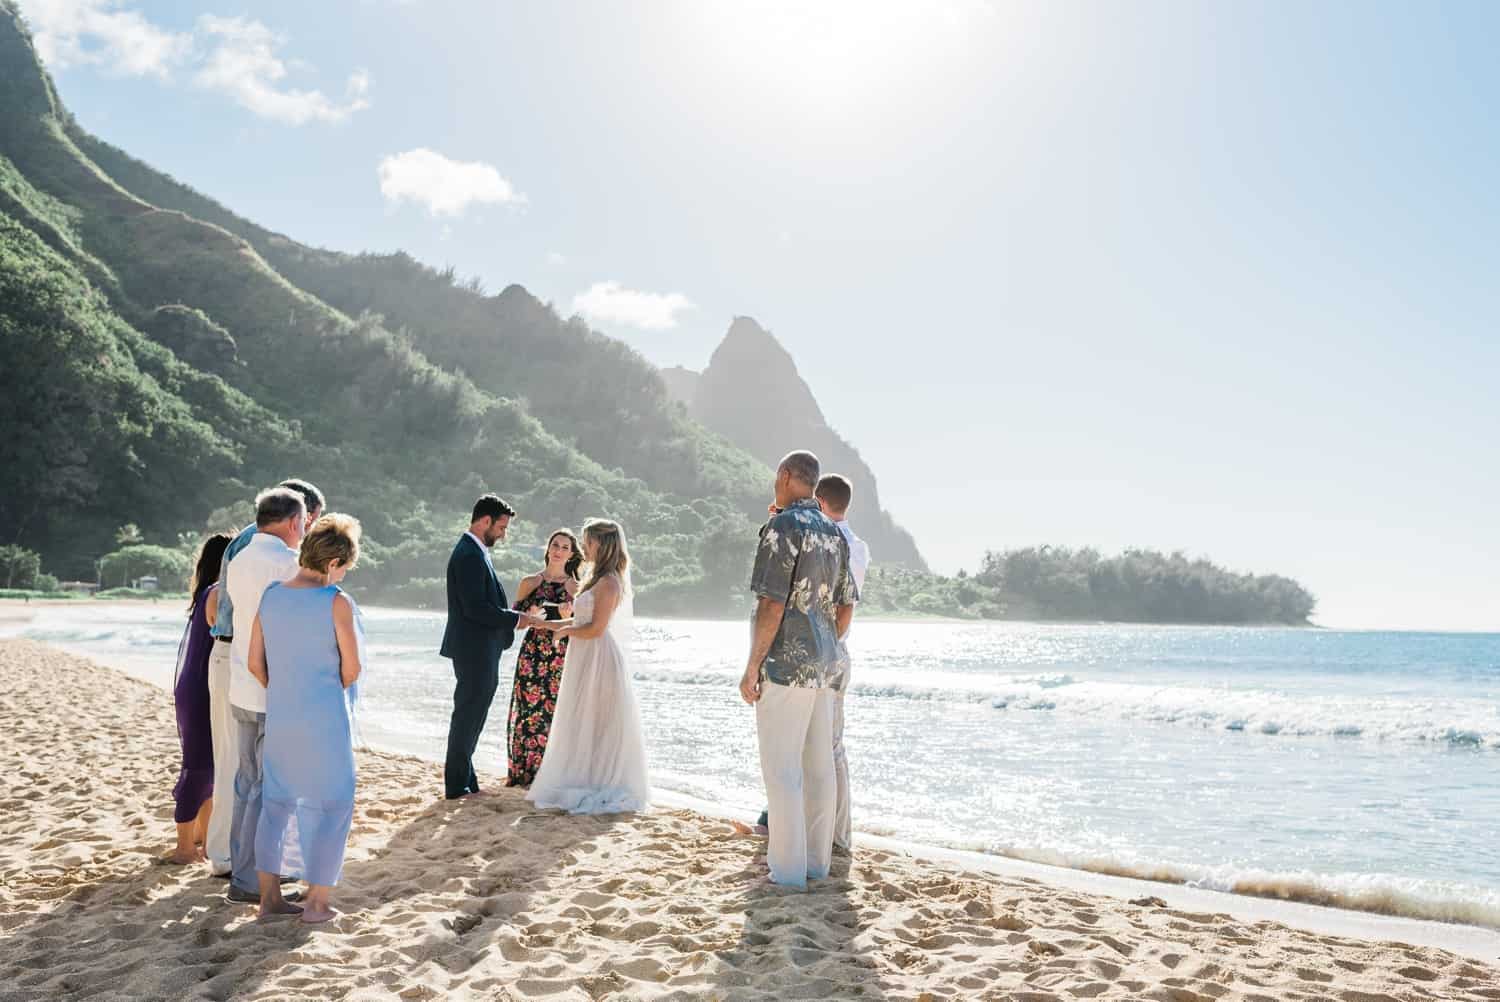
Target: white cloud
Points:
(359, 83)
(244, 65)
(446, 187)
(100, 33)
(556, 257)
(236, 56)
(610, 302)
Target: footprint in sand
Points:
(1309, 974)
(1042, 948)
(1416, 973)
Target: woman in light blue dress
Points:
(305, 649)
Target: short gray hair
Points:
(277, 505)
(802, 466)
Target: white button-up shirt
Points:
(482, 549)
(859, 555)
(859, 561)
(264, 562)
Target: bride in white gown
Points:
(595, 759)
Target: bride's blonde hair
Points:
(610, 554)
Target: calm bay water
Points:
(1349, 768)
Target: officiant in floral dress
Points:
(533, 696)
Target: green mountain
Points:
(753, 395)
(161, 359)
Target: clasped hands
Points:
(535, 618)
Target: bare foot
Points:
(179, 857)
(763, 882)
(311, 917)
(740, 828)
(282, 907)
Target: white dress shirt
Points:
(262, 563)
(859, 562)
(859, 554)
(482, 549)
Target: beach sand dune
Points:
(488, 899)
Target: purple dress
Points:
(195, 783)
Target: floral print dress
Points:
(533, 696)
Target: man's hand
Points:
(750, 684)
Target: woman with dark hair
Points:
(195, 781)
(533, 695)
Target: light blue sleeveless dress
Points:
(308, 793)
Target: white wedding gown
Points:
(595, 760)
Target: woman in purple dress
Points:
(195, 781)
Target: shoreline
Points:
(7, 603)
(1472, 939)
(488, 897)
(889, 617)
(1338, 893)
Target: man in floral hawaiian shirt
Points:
(805, 599)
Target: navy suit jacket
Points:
(481, 623)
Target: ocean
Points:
(1354, 769)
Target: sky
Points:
(1210, 277)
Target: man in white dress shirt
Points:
(270, 557)
(220, 709)
(834, 494)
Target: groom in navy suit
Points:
(481, 625)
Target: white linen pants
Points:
(794, 726)
(226, 759)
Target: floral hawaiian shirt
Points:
(803, 561)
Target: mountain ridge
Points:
(104, 288)
(753, 394)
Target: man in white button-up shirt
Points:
(834, 494)
(270, 557)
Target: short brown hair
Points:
(335, 536)
(835, 490)
(490, 505)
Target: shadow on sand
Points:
(163, 932)
(799, 944)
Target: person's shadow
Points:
(169, 931)
(799, 944)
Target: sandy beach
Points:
(488, 899)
